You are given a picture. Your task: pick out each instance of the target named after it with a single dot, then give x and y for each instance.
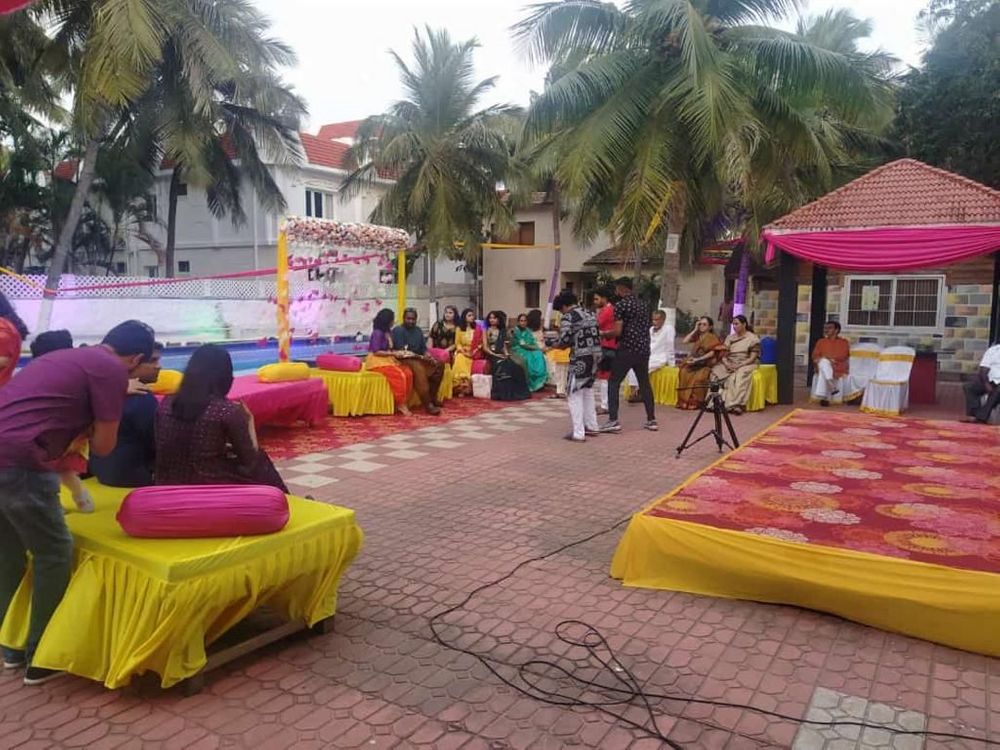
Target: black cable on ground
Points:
(623, 689)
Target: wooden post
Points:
(401, 284)
(788, 302)
(817, 314)
(995, 314)
(281, 271)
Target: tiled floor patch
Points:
(829, 705)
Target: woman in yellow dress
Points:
(737, 365)
(465, 346)
(696, 369)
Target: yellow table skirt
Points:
(354, 394)
(138, 605)
(664, 384)
(763, 389)
(956, 607)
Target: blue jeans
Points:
(31, 520)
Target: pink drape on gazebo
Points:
(887, 249)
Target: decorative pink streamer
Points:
(887, 249)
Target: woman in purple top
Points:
(382, 361)
(204, 438)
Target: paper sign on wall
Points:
(870, 298)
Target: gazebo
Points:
(898, 218)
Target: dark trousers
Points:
(31, 520)
(639, 364)
(974, 392)
(427, 375)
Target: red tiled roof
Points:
(901, 193)
(324, 153)
(339, 130)
(66, 170)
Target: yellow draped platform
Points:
(354, 394)
(953, 606)
(138, 605)
(763, 390)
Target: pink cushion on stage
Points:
(338, 362)
(479, 367)
(203, 511)
(441, 355)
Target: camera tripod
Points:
(716, 405)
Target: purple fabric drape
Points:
(889, 249)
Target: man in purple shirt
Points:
(47, 405)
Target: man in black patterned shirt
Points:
(631, 329)
(578, 333)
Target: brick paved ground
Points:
(469, 509)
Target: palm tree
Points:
(446, 157)
(678, 102)
(115, 55)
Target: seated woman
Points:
(737, 365)
(696, 369)
(509, 380)
(525, 346)
(380, 360)
(468, 341)
(442, 334)
(204, 438)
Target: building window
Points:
(182, 188)
(893, 301)
(532, 294)
(120, 267)
(151, 207)
(319, 204)
(152, 272)
(525, 234)
(183, 266)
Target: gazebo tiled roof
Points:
(902, 193)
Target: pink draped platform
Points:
(887, 249)
(281, 403)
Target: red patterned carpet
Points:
(917, 489)
(283, 443)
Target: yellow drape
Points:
(138, 605)
(354, 394)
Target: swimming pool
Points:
(248, 356)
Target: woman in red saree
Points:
(380, 360)
(696, 369)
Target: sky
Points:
(345, 71)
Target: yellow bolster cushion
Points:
(559, 356)
(167, 382)
(283, 372)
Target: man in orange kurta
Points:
(831, 355)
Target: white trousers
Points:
(582, 411)
(602, 393)
(559, 373)
(824, 383)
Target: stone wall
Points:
(959, 344)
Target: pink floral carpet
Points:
(917, 489)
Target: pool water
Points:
(247, 357)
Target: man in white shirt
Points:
(986, 383)
(661, 349)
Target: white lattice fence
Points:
(113, 287)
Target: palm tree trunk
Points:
(432, 288)
(637, 259)
(557, 253)
(168, 254)
(670, 277)
(65, 241)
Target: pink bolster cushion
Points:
(479, 367)
(441, 355)
(192, 511)
(338, 362)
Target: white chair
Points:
(888, 393)
(863, 364)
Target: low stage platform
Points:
(890, 522)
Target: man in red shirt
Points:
(604, 304)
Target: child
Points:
(74, 461)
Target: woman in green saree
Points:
(524, 346)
